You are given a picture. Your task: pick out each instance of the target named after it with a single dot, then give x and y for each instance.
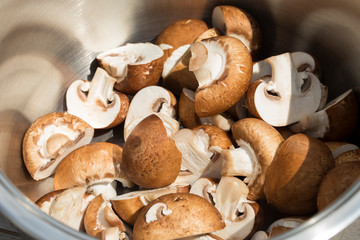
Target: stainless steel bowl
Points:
(45, 45)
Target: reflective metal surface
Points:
(45, 45)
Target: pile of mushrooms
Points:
(212, 138)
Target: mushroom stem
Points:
(101, 89)
(156, 211)
(317, 123)
(108, 189)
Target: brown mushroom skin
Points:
(187, 114)
(124, 107)
(349, 156)
(293, 178)
(218, 137)
(150, 158)
(191, 215)
(336, 182)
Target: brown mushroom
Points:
(96, 102)
(44, 203)
(336, 182)
(134, 65)
(348, 156)
(337, 148)
(293, 178)
(96, 166)
(49, 139)
(177, 215)
(151, 158)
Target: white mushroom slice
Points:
(95, 102)
(156, 212)
(106, 188)
(69, 207)
(134, 65)
(174, 59)
(185, 177)
(152, 100)
(238, 214)
(206, 188)
(287, 95)
(284, 224)
(51, 138)
(202, 237)
(223, 68)
(46, 201)
(337, 121)
(260, 235)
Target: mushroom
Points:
(198, 146)
(206, 188)
(258, 142)
(96, 166)
(336, 182)
(181, 32)
(338, 148)
(336, 122)
(234, 22)
(189, 119)
(151, 158)
(293, 178)
(70, 205)
(134, 65)
(223, 67)
(287, 95)
(44, 203)
(113, 233)
(283, 225)
(177, 215)
(99, 216)
(96, 102)
(348, 156)
(152, 100)
(208, 236)
(129, 205)
(237, 211)
(49, 139)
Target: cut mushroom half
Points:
(348, 156)
(234, 22)
(51, 138)
(134, 65)
(199, 145)
(189, 119)
(206, 188)
(236, 210)
(152, 100)
(338, 148)
(177, 215)
(336, 122)
(96, 165)
(96, 102)
(287, 95)
(129, 205)
(100, 216)
(70, 205)
(223, 68)
(45, 202)
(283, 225)
(258, 142)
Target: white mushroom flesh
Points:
(286, 222)
(343, 148)
(101, 222)
(156, 212)
(106, 188)
(204, 187)
(174, 59)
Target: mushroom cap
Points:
(134, 65)
(49, 139)
(294, 176)
(189, 215)
(46, 200)
(217, 137)
(181, 32)
(90, 164)
(235, 22)
(349, 156)
(337, 148)
(129, 205)
(264, 141)
(221, 85)
(187, 114)
(336, 182)
(150, 157)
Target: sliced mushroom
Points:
(177, 215)
(336, 182)
(96, 102)
(99, 216)
(44, 203)
(223, 67)
(69, 207)
(199, 145)
(151, 158)
(129, 205)
(152, 100)
(49, 139)
(283, 225)
(206, 188)
(287, 95)
(209, 236)
(336, 122)
(293, 178)
(134, 66)
(338, 148)
(258, 142)
(113, 233)
(349, 156)
(234, 22)
(189, 119)
(236, 210)
(94, 165)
